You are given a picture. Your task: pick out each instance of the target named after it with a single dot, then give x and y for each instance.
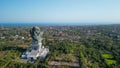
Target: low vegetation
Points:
(70, 46)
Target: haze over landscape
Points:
(59, 33)
(60, 11)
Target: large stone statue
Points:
(36, 35)
(36, 48)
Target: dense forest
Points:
(95, 46)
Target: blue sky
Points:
(60, 11)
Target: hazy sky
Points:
(60, 11)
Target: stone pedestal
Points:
(36, 50)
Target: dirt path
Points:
(56, 63)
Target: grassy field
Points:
(109, 59)
(109, 62)
(107, 56)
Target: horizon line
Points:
(55, 24)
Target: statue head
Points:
(35, 34)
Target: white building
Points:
(35, 51)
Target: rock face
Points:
(36, 48)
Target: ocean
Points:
(49, 24)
